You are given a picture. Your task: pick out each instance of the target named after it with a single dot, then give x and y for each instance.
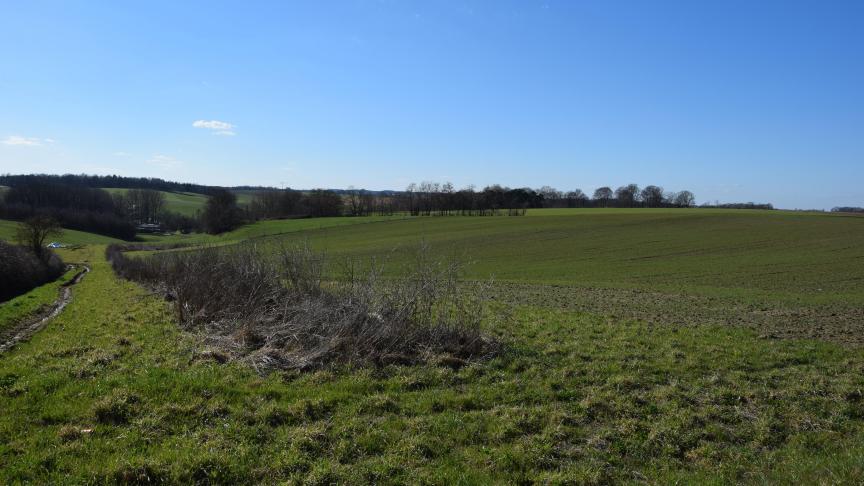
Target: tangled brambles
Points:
(284, 309)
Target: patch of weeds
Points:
(118, 408)
(69, 433)
(311, 439)
(378, 404)
(7, 381)
(277, 415)
(140, 473)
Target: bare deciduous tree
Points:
(685, 199)
(602, 195)
(33, 232)
(627, 196)
(652, 196)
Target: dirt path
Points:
(34, 323)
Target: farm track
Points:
(33, 324)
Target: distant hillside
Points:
(118, 182)
(185, 203)
(188, 203)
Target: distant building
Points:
(149, 228)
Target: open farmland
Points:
(743, 254)
(588, 390)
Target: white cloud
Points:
(164, 161)
(25, 141)
(216, 127)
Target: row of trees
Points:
(428, 198)
(97, 181)
(433, 198)
(276, 204)
(77, 206)
(141, 205)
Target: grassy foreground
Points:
(113, 391)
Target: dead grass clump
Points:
(286, 309)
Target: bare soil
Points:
(33, 323)
(837, 323)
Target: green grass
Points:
(262, 229)
(69, 237)
(773, 255)
(189, 203)
(245, 196)
(185, 203)
(113, 391)
(14, 310)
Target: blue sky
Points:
(735, 101)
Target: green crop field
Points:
(647, 346)
(788, 256)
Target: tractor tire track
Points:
(36, 322)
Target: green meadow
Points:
(189, 203)
(185, 203)
(68, 237)
(588, 390)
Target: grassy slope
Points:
(69, 237)
(186, 203)
(189, 203)
(578, 397)
(807, 257)
(270, 228)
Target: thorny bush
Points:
(287, 309)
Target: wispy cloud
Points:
(25, 141)
(216, 127)
(164, 161)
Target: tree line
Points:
(77, 204)
(74, 207)
(430, 198)
(84, 208)
(113, 181)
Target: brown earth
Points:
(837, 323)
(34, 322)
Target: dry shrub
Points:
(279, 309)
